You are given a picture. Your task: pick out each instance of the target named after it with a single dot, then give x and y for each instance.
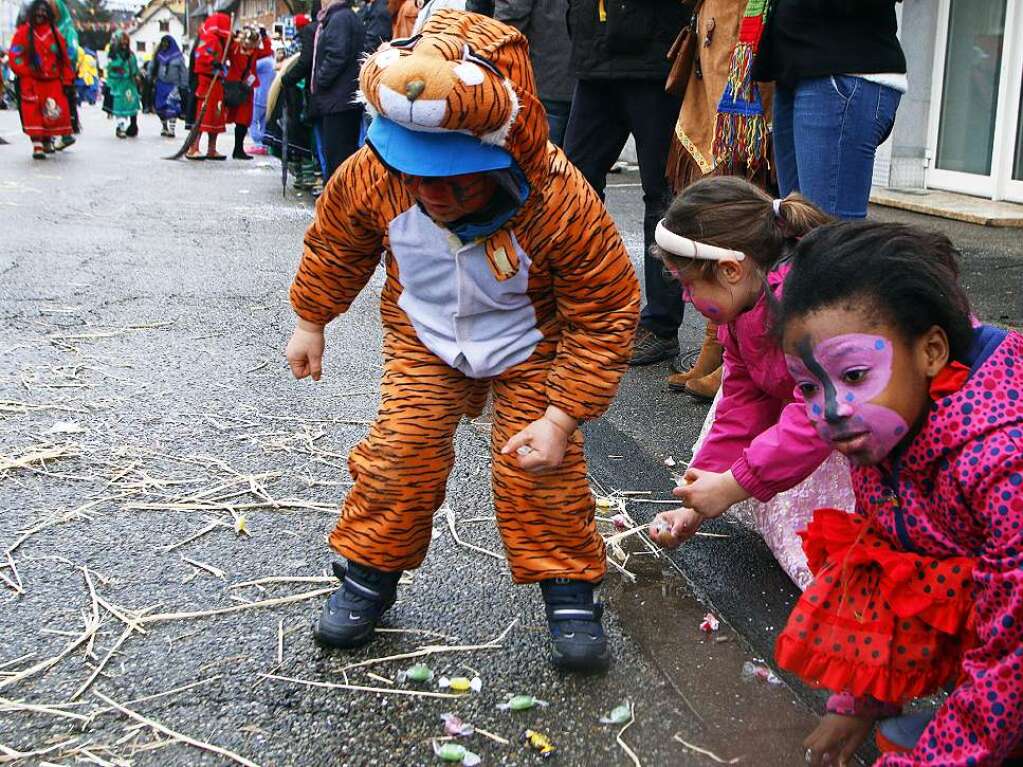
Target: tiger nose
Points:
(414, 89)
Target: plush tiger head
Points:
(465, 73)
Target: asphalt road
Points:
(144, 399)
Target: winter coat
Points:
(376, 20)
(337, 48)
(303, 68)
(545, 26)
(957, 491)
(631, 43)
(761, 431)
(808, 38)
(174, 71)
(122, 77)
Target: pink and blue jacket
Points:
(761, 431)
(957, 490)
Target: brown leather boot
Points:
(708, 361)
(705, 387)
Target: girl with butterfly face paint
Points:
(922, 588)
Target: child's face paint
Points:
(847, 379)
(700, 293)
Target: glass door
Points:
(975, 131)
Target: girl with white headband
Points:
(726, 242)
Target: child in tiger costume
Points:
(505, 275)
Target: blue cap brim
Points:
(441, 153)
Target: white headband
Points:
(683, 247)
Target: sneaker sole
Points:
(582, 665)
(342, 641)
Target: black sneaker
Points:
(350, 616)
(649, 348)
(578, 642)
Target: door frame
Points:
(998, 184)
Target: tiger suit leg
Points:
(546, 520)
(401, 468)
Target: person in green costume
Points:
(123, 80)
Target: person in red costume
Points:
(249, 46)
(213, 36)
(40, 59)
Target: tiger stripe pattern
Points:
(582, 288)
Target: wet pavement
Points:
(148, 422)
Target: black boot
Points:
(133, 127)
(578, 642)
(239, 143)
(350, 616)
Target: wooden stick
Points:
(492, 736)
(360, 688)
(164, 617)
(625, 746)
(454, 534)
(10, 705)
(214, 571)
(99, 667)
(172, 733)
(8, 755)
(286, 579)
(709, 754)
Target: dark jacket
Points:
(485, 7)
(302, 68)
(376, 20)
(338, 46)
(804, 39)
(543, 22)
(632, 44)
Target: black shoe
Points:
(578, 642)
(133, 129)
(350, 616)
(240, 155)
(649, 348)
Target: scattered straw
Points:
(709, 754)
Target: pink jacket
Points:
(760, 431)
(957, 490)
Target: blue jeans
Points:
(826, 133)
(557, 119)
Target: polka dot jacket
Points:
(957, 490)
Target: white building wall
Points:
(8, 21)
(151, 34)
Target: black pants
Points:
(604, 113)
(337, 137)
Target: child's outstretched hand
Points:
(671, 528)
(305, 350)
(541, 445)
(709, 493)
(836, 739)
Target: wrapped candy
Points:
(619, 714)
(458, 754)
(521, 703)
(461, 684)
(419, 673)
(540, 742)
(453, 725)
(710, 624)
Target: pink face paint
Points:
(708, 309)
(839, 377)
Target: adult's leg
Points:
(341, 133)
(546, 520)
(596, 130)
(652, 115)
(239, 143)
(557, 119)
(839, 123)
(784, 141)
(401, 468)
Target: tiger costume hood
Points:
(466, 76)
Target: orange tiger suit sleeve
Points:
(597, 295)
(343, 245)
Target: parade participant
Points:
(169, 72)
(123, 78)
(214, 35)
(249, 46)
(923, 586)
(39, 58)
(266, 71)
(758, 442)
(459, 186)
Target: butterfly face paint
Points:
(838, 379)
(707, 308)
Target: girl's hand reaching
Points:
(836, 739)
(671, 528)
(708, 493)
